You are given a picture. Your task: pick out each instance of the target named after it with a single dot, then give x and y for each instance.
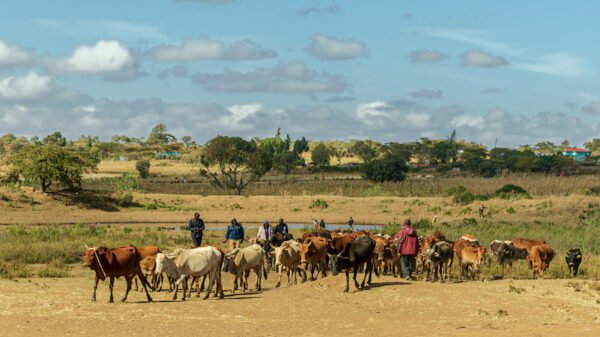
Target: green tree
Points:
(55, 138)
(366, 150)
(159, 135)
(301, 146)
(187, 141)
(388, 168)
(143, 168)
(320, 155)
(593, 145)
(232, 163)
(285, 162)
(45, 165)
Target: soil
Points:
(391, 306)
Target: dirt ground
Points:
(62, 307)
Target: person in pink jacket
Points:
(408, 247)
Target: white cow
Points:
(287, 257)
(241, 261)
(184, 263)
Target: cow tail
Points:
(265, 270)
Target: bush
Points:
(511, 210)
(511, 191)
(10, 270)
(389, 168)
(124, 199)
(143, 168)
(318, 203)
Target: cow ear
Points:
(109, 256)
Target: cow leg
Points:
(128, 281)
(194, 279)
(144, 284)
(219, 291)
(347, 281)
(368, 270)
(176, 286)
(280, 271)
(184, 284)
(136, 284)
(211, 283)
(258, 276)
(95, 287)
(355, 271)
(323, 269)
(111, 283)
(202, 285)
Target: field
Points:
(45, 291)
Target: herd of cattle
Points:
(315, 252)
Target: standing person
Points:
(234, 234)
(351, 224)
(264, 233)
(322, 224)
(315, 225)
(281, 227)
(196, 228)
(481, 210)
(408, 246)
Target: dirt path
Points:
(61, 307)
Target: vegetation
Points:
(143, 168)
(388, 168)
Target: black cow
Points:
(440, 256)
(353, 256)
(573, 259)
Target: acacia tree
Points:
(45, 165)
(232, 163)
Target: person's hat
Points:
(265, 222)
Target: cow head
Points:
(277, 252)
(505, 253)
(89, 258)
(573, 255)
(305, 250)
(230, 260)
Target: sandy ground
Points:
(62, 307)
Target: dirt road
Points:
(62, 307)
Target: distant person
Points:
(322, 224)
(234, 234)
(351, 224)
(481, 211)
(281, 227)
(264, 233)
(434, 220)
(196, 228)
(315, 225)
(408, 246)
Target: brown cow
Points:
(526, 243)
(115, 262)
(458, 247)
(314, 252)
(472, 257)
(337, 243)
(539, 259)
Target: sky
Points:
(503, 73)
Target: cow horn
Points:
(272, 247)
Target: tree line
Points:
(233, 162)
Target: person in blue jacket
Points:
(234, 234)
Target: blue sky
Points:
(514, 71)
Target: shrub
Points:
(10, 270)
(52, 272)
(318, 203)
(4, 197)
(592, 190)
(511, 191)
(389, 168)
(124, 199)
(152, 206)
(511, 210)
(470, 222)
(143, 168)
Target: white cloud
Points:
(106, 56)
(11, 55)
(468, 121)
(291, 78)
(559, 64)
(208, 49)
(477, 58)
(473, 37)
(426, 56)
(31, 86)
(331, 48)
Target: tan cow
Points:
(472, 257)
(287, 256)
(539, 259)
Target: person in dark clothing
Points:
(196, 228)
(235, 234)
(408, 246)
(351, 224)
(281, 227)
(322, 224)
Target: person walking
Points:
(196, 228)
(481, 210)
(264, 233)
(234, 234)
(315, 225)
(322, 224)
(351, 224)
(281, 227)
(408, 246)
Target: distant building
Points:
(168, 155)
(576, 153)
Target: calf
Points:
(148, 258)
(440, 255)
(115, 262)
(287, 256)
(241, 261)
(458, 248)
(471, 259)
(353, 256)
(185, 263)
(313, 252)
(573, 259)
(539, 259)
